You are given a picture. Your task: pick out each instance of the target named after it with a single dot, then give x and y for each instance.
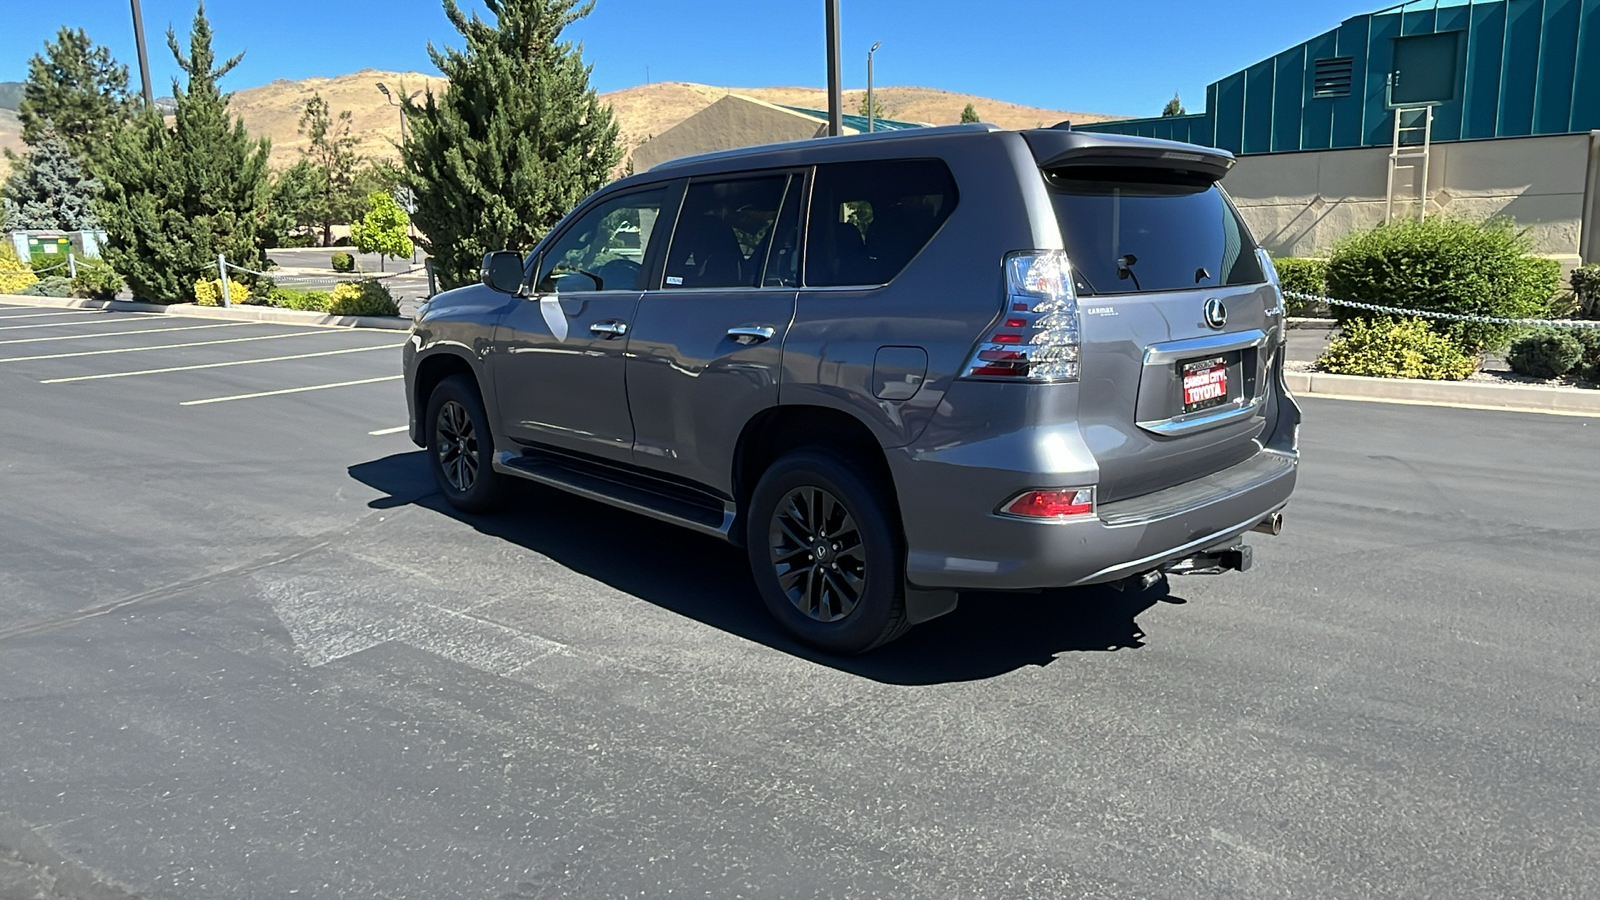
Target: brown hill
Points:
(273, 110)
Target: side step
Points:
(620, 488)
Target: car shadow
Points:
(708, 580)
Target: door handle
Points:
(610, 328)
(751, 334)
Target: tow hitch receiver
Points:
(1212, 562)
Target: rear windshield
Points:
(1131, 230)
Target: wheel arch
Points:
(431, 370)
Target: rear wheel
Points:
(459, 447)
(826, 553)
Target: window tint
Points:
(604, 250)
(783, 260)
(722, 233)
(868, 219)
(1133, 230)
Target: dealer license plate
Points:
(1205, 384)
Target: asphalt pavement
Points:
(246, 651)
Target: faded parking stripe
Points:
(217, 365)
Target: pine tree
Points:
(969, 114)
(76, 90)
(518, 139)
(1174, 107)
(333, 159)
(176, 197)
(49, 191)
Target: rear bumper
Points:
(978, 550)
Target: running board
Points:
(660, 501)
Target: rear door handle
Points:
(751, 334)
(610, 328)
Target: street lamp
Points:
(871, 110)
(144, 58)
(412, 206)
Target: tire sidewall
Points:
(484, 491)
(879, 529)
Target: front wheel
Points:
(459, 447)
(826, 553)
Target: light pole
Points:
(835, 91)
(872, 111)
(144, 57)
(411, 226)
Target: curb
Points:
(1510, 398)
(233, 313)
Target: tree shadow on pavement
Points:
(708, 580)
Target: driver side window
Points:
(604, 250)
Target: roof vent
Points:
(1331, 77)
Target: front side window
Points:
(868, 219)
(605, 249)
(723, 232)
(1138, 230)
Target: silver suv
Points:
(894, 367)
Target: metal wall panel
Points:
(1289, 74)
(1558, 60)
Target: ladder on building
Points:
(1413, 138)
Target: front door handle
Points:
(610, 328)
(751, 334)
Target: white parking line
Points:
(395, 430)
(105, 321)
(59, 312)
(217, 365)
(259, 337)
(297, 390)
(101, 334)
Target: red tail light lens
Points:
(1053, 504)
(1040, 333)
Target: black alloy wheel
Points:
(460, 447)
(457, 446)
(817, 554)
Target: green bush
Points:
(96, 282)
(1396, 348)
(15, 275)
(1303, 276)
(362, 298)
(344, 262)
(1545, 353)
(48, 286)
(208, 292)
(1586, 287)
(305, 301)
(1589, 366)
(1443, 265)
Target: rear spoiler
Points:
(1054, 148)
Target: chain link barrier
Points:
(1453, 317)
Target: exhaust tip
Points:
(1272, 525)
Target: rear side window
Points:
(868, 219)
(723, 232)
(1131, 230)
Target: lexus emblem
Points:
(1216, 313)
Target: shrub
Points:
(48, 286)
(1304, 276)
(1586, 287)
(15, 275)
(344, 262)
(1444, 265)
(1545, 353)
(1589, 366)
(96, 283)
(1396, 348)
(362, 298)
(209, 292)
(305, 301)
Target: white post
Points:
(72, 264)
(222, 269)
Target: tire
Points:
(845, 597)
(460, 447)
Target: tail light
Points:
(1037, 340)
(1052, 504)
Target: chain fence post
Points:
(72, 264)
(222, 269)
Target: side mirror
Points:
(502, 270)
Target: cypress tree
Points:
(969, 114)
(518, 139)
(76, 90)
(176, 197)
(49, 191)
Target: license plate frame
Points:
(1204, 383)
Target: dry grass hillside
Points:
(273, 110)
(10, 138)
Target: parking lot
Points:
(246, 651)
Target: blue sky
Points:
(1112, 56)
